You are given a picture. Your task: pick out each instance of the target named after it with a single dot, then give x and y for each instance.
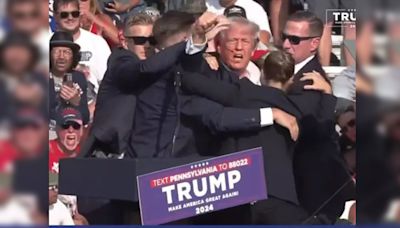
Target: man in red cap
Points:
(69, 135)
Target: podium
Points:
(108, 187)
(110, 178)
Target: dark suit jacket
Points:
(169, 123)
(275, 140)
(318, 168)
(125, 78)
(314, 110)
(55, 102)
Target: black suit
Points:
(224, 87)
(318, 168)
(125, 78)
(275, 140)
(169, 123)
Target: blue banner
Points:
(202, 187)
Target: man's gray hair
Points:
(137, 19)
(244, 22)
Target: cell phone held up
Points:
(68, 80)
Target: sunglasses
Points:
(26, 15)
(295, 39)
(349, 124)
(141, 40)
(74, 14)
(74, 125)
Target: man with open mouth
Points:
(69, 134)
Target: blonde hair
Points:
(138, 19)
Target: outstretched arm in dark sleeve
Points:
(130, 68)
(219, 118)
(237, 95)
(221, 92)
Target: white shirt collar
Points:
(300, 65)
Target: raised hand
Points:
(319, 82)
(222, 24)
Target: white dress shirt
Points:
(300, 65)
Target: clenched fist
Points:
(207, 26)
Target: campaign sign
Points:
(202, 187)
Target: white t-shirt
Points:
(59, 215)
(95, 52)
(254, 12)
(254, 73)
(13, 213)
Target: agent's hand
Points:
(207, 26)
(222, 24)
(212, 61)
(319, 82)
(287, 121)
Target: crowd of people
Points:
(175, 78)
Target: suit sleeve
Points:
(216, 90)
(218, 118)
(328, 106)
(317, 112)
(264, 96)
(131, 69)
(245, 93)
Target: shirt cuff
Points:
(266, 117)
(192, 49)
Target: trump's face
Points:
(236, 46)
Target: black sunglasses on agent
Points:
(74, 14)
(295, 39)
(141, 40)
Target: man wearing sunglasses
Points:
(130, 68)
(94, 49)
(316, 154)
(69, 135)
